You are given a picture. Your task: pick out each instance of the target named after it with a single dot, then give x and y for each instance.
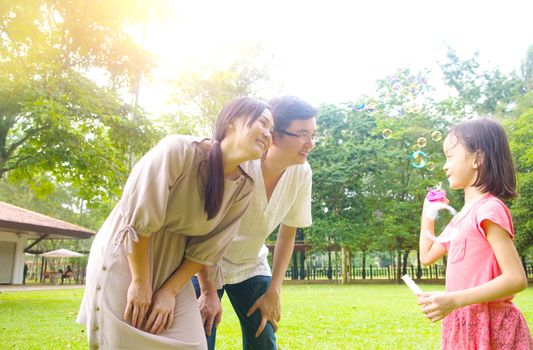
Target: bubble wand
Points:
(411, 284)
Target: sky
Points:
(334, 51)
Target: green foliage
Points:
(520, 135)
(479, 92)
(199, 96)
(367, 194)
(59, 129)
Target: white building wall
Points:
(18, 264)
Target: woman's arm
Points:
(511, 281)
(140, 290)
(161, 314)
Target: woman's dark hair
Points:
(285, 109)
(487, 139)
(240, 107)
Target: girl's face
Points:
(256, 138)
(461, 165)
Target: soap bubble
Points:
(387, 133)
(418, 159)
(371, 109)
(430, 166)
(436, 135)
(395, 84)
(358, 107)
(421, 142)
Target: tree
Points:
(478, 91)
(201, 93)
(53, 117)
(520, 136)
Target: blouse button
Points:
(104, 268)
(98, 287)
(97, 308)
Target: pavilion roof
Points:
(24, 221)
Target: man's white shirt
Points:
(290, 204)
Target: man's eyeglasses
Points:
(303, 138)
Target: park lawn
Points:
(359, 316)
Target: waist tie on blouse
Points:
(215, 276)
(126, 235)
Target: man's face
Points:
(297, 140)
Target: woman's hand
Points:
(161, 314)
(436, 306)
(138, 302)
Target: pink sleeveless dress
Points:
(471, 262)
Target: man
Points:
(282, 196)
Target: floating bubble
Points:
(358, 107)
(418, 159)
(436, 135)
(421, 142)
(412, 79)
(412, 107)
(395, 84)
(430, 166)
(371, 109)
(387, 133)
(415, 148)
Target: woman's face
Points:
(254, 138)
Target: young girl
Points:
(484, 270)
(179, 211)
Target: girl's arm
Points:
(512, 280)
(430, 249)
(140, 289)
(161, 314)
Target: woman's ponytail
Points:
(214, 187)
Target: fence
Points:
(435, 272)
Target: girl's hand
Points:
(161, 314)
(437, 305)
(431, 208)
(137, 303)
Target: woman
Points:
(178, 212)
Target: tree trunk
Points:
(294, 274)
(399, 266)
(344, 275)
(404, 262)
(350, 265)
(363, 271)
(418, 265)
(302, 265)
(329, 265)
(336, 267)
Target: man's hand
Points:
(269, 306)
(210, 309)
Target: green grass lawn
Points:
(313, 317)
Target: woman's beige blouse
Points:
(163, 199)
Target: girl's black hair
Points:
(487, 139)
